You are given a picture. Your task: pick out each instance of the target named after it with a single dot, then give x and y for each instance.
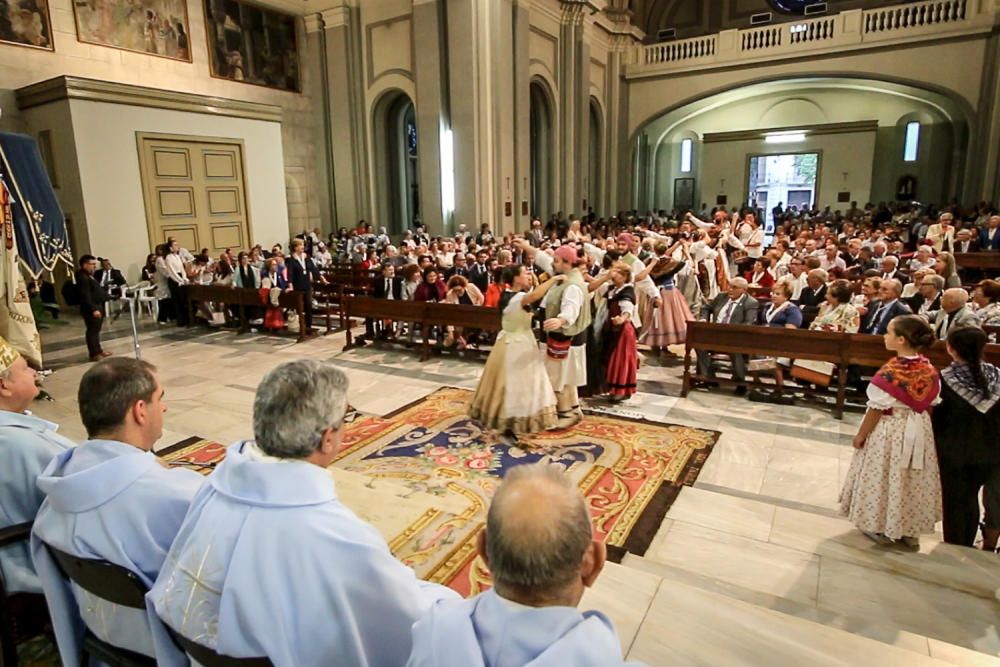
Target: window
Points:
(912, 142)
(687, 146)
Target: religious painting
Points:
(26, 23)
(251, 44)
(153, 27)
(684, 194)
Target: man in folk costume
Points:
(567, 318)
(17, 322)
(646, 290)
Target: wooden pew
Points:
(984, 261)
(243, 297)
(328, 300)
(842, 349)
(425, 314)
(764, 341)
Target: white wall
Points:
(852, 153)
(109, 173)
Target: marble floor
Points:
(752, 565)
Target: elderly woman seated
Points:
(460, 292)
(986, 298)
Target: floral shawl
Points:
(913, 381)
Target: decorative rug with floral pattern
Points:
(629, 470)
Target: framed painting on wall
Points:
(153, 27)
(251, 44)
(684, 193)
(26, 23)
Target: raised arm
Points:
(539, 292)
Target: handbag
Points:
(817, 372)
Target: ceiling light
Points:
(785, 138)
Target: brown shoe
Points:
(105, 354)
(96, 357)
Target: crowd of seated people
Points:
(261, 558)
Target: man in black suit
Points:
(459, 267)
(881, 312)
(301, 272)
(479, 273)
(110, 278)
(890, 270)
(387, 286)
(966, 241)
(989, 236)
(92, 299)
(927, 301)
(734, 306)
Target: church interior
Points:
(721, 277)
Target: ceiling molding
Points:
(93, 90)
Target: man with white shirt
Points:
(831, 259)
(271, 563)
(876, 320)
(540, 549)
(922, 259)
(890, 270)
(954, 313)
(735, 306)
(796, 277)
(965, 241)
(27, 444)
(110, 499)
(989, 236)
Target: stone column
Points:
(574, 61)
(522, 114)
(481, 115)
(618, 155)
(431, 85)
(348, 125)
(983, 164)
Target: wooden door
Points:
(195, 192)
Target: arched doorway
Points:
(542, 147)
(397, 174)
(594, 162)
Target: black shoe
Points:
(740, 390)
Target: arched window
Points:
(911, 143)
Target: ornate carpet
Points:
(629, 470)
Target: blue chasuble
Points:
(488, 631)
(27, 444)
(106, 500)
(269, 563)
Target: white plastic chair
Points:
(140, 295)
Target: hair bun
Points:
(926, 339)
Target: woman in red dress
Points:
(621, 356)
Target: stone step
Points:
(874, 629)
(959, 568)
(689, 626)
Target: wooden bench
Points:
(242, 297)
(427, 315)
(842, 349)
(985, 262)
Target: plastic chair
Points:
(116, 585)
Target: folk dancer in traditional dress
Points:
(621, 356)
(515, 394)
(567, 317)
(893, 487)
(666, 325)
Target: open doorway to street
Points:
(782, 180)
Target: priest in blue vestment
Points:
(111, 499)
(539, 547)
(27, 444)
(270, 563)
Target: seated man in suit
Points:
(111, 499)
(734, 306)
(989, 236)
(877, 318)
(966, 241)
(110, 278)
(813, 295)
(541, 551)
(27, 444)
(388, 286)
(270, 562)
(890, 270)
(927, 301)
(954, 313)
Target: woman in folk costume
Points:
(626, 245)
(666, 325)
(567, 317)
(514, 393)
(621, 356)
(893, 488)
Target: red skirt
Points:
(623, 363)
